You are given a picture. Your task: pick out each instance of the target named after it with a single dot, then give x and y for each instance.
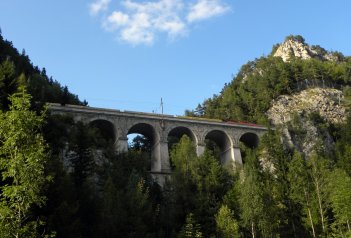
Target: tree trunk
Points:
(294, 229)
(320, 204)
(309, 213)
(311, 221)
(253, 230)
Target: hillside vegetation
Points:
(16, 69)
(258, 82)
(62, 178)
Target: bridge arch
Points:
(176, 133)
(150, 131)
(250, 139)
(224, 143)
(106, 129)
(144, 129)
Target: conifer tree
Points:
(7, 77)
(191, 229)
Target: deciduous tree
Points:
(22, 159)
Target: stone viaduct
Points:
(159, 128)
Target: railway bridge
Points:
(159, 128)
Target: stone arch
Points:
(89, 120)
(175, 133)
(106, 129)
(224, 143)
(250, 139)
(179, 131)
(145, 129)
(149, 131)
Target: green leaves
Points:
(340, 198)
(22, 160)
(197, 186)
(190, 229)
(227, 226)
(258, 82)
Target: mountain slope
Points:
(249, 96)
(302, 90)
(16, 69)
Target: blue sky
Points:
(127, 54)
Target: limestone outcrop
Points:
(296, 116)
(324, 101)
(293, 47)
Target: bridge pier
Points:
(231, 156)
(237, 155)
(227, 157)
(121, 145)
(200, 149)
(160, 164)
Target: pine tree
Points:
(7, 85)
(190, 229)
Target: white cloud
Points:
(98, 6)
(205, 9)
(141, 22)
(139, 30)
(172, 27)
(116, 20)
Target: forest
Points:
(95, 192)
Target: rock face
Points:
(295, 115)
(324, 101)
(293, 47)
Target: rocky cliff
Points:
(295, 46)
(324, 101)
(304, 118)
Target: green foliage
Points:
(343, 146)
(190, 229)
(183, 154)
(309, 187)
(319, 172)
(42, 88)
(301, 189)
(319, 50)
(197, 186)
(23, 156)
(98, 193)
(340, 198)
(297, 38)
(7, 82)
(227, 226)
(141, 143)
(249, 95)
(258, 211)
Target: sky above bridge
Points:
(127, 54)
